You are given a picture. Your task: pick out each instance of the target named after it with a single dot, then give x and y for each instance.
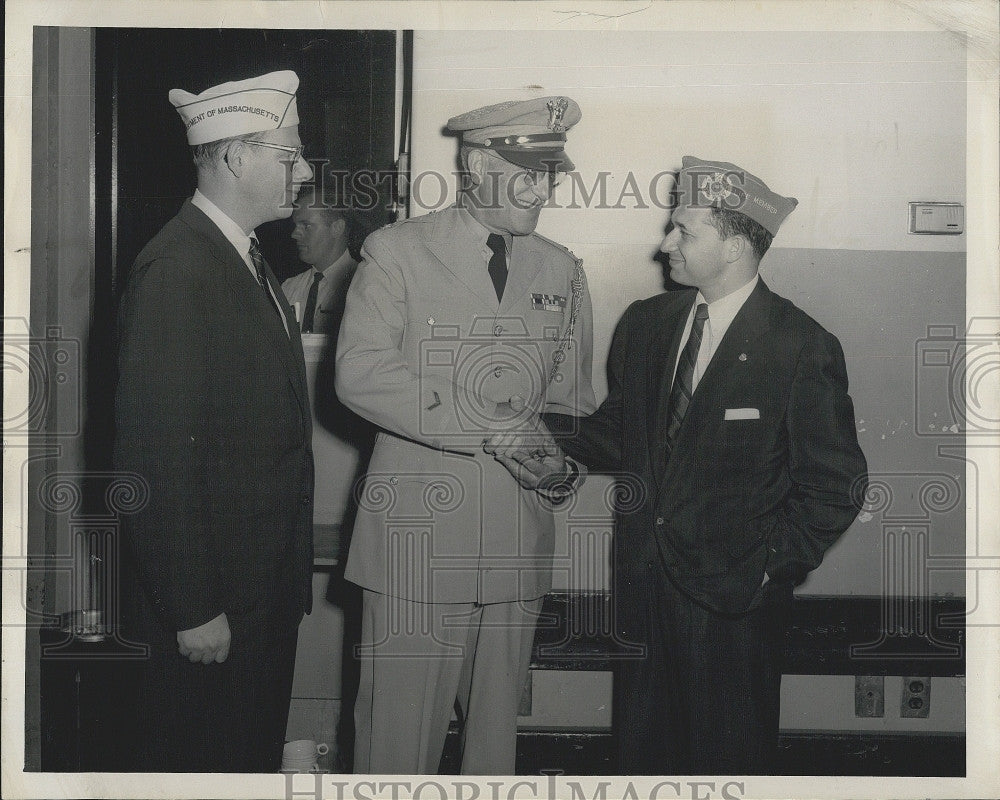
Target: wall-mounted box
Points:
(937, 218)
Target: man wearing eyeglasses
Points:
(212, 412)
(457, 324)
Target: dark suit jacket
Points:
(212, 410)
(740, 496)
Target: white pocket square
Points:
(742, 413)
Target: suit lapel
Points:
(461, 255)
(525, 262)
(662, 356)
(749, 324)
(288, 347)
(288, 343)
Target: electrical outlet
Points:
(869, 696)
(916, 697)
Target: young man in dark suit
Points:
(731, 407)
(212, 411)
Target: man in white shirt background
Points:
(325, 236)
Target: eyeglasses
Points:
(296, 152)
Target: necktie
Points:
(308, 318)
(681, 391)
(498, 263)
(260, 264)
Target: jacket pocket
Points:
(744, 539)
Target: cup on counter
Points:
(301, 755)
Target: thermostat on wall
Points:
(939, 218)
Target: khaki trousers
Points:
(422, 661)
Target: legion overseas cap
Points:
(239, 107)
(720, 184)
(529, 133)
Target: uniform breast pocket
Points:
(553, 302)
(413, 496)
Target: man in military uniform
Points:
(459, 324)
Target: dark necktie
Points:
(308, 318)
(260, 265)
(498, 263)
(681, 391)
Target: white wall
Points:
(854, 125)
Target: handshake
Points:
(531, 455)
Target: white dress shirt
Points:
(329, 298)
(721, 314)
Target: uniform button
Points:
(393, 480)
(659, 520)
(497, 330)
(498, 372)
(305, 498)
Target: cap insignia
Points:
(557, 108)
(717, 187)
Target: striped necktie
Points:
(681, 391)
(260, 265)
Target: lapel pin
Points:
(743, 356)
(430, 320)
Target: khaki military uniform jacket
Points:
(426, 353)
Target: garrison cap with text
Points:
(720, 184)
(529, 133)
(265, 103)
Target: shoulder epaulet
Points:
(560, 248)
(390, 225)
(428, 217)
